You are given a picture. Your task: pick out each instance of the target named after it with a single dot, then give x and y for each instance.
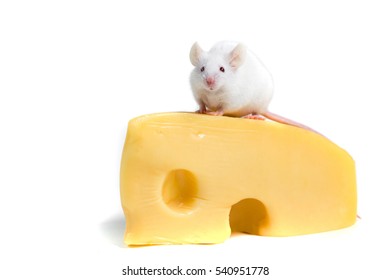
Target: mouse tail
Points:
(280, 119)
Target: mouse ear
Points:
(237, 56)
(195, 53)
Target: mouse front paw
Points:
(215, 113)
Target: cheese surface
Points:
(191, 178)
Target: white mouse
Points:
(230, 80)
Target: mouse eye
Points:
(202, 69)
(222, 69)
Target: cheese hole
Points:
(179, 191)
(248, 216)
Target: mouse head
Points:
(217, 67)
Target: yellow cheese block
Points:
(191, 178)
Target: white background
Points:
(72, 73)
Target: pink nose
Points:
(210, 81)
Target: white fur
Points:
(244, 88)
